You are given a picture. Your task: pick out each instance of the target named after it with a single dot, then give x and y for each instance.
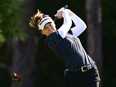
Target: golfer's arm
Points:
(63, 30)
(79, 27)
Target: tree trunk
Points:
(94, 39)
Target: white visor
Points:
(44, 21)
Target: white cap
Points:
(44, 21)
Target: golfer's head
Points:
(42, 22)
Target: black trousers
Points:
(89, 78)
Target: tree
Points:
(94, 39)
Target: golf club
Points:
(16, 76)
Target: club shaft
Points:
(27, 55)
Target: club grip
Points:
(66, 6)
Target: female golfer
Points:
(81, 70)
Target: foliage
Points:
(2, 39)
(10, 20)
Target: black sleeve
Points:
(70, 32)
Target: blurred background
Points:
(42, 68)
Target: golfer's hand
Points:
(69, 12)
(59, 15)
(60, 11)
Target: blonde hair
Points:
(35, 20)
